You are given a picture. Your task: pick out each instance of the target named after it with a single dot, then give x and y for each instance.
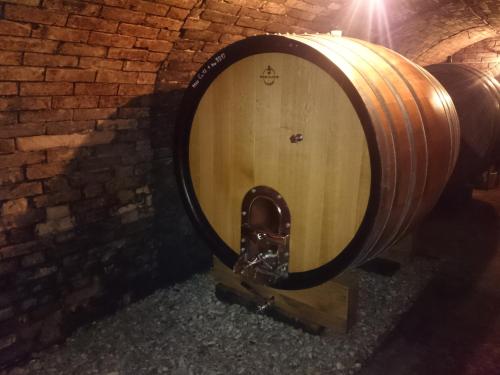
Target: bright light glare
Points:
(371, 16)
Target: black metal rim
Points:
(195, 91)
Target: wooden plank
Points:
(331, 305)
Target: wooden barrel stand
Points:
(330, 305)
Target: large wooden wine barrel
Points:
(357, 140)
(476, 96)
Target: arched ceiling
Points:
(426, 31)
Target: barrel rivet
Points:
(243, 240)
(278, 196)
(287, 225)
(244, 213)
(253, 191)
(243, 249)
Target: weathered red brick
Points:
(47, 115)
(113, 40)
(157, 56)
(21, 73)
(58, 212)
(173, 78)
(75, 102)
(35, 15)
(28, 218)
(186, 4)
(253, 13)
(40, 59)
(14, 28)
(276, 28)
(146, 78)
(114, 101)
(46, 88)
(11, 175)
(96, 89)
(164, 22)
(117, 124)
(251, 32)
(93, 190)
(94, 113)
(56, 198)
(70, 75)
(169, 35)
(100, 63)
(122, 15)
(21, 130)
(39, 171)
(12, 43)
(185, 56)
(33, 3)
(251, 22)
(18, 249)
(69, 127)
(223, 7)
(82, 50)
(127, 54)
(43, 142)
(301, 15)
(62, 153)
(134, 112)
(154, 45)
(196, 24)
(201, 57)
(304, 6)
(211, 47)
(178, 13)
(181, 66)
(150, 7)
(10, 58)
(20, 103)
(7, 146)
(8, 88)
(127, 89)
(92, 23)
(135, 66)
(7, 118)
(230, 38)
(73, 7)
(21, 158)
(222, 29)
(205, 35)
(113, 76)
(138, 31)
(274, 8)
(33, 260)
(61, 33)
(214, 16)
(21, 190)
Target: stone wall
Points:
(484, 56)
(89, 90)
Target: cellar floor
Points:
(450, 292)
(454, 326)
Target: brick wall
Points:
(484, 56)
(89, 90)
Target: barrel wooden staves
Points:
(476, 96)
(343, 144)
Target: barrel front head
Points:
(335, 127)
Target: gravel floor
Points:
(185, 330)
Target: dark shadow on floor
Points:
(454, 326)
